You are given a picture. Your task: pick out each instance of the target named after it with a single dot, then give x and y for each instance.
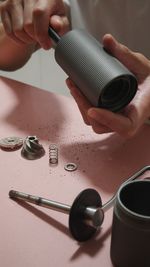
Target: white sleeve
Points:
(67, 2)
(67, 8)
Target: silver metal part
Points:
(40, 201)
(53, 154)
(32, 149)
(11, 143)
(93, 216)
(70, 167)
(111, 201)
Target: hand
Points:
(128, 122)
(27, 21)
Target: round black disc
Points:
(79, 230)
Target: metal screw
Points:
(85, 214)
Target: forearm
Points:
(13, 55)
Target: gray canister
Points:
(131, 225)
(101, 77)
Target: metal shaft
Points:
(40, 201)
(92, 215)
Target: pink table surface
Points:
(32, 236)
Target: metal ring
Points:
(70, 167)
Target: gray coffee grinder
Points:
(105, 81)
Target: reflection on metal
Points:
(32, 149)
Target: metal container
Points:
(131, 225)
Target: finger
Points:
(17, 20)
(82, 103)
(12, 20)
(41, 15)
(84, 115)
(124, 126)
(135, 62)
(60, 24)
(131, 119)
(28, 18)
(6, 20)
(99, 128)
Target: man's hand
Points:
(27, 21)
(127, 122)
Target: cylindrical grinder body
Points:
(105, 81)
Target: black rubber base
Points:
(79, 230)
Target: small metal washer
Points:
(70, 167)
(11, 143)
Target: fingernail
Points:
(56, 22)
(58, 19)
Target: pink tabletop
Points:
(32, 236)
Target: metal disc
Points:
(70, 167)
(79, 230)
(11, 143)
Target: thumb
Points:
(135, 62)
(60, 23)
